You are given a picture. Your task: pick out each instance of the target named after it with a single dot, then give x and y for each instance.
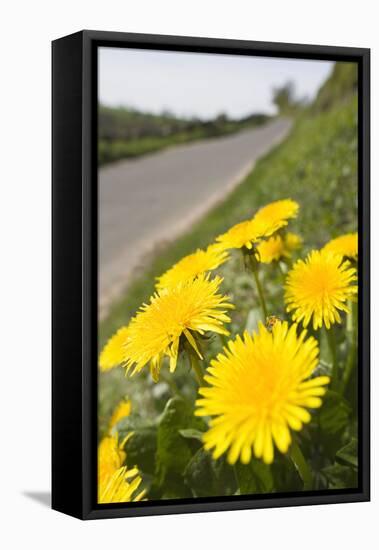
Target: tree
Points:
(284, 98)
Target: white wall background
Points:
(27, 29)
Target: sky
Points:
(201, 85)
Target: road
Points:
(154, 198)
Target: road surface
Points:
(156, 197)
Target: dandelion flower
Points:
(247, 233)
(259, 390)
(189, 308)
(237, 236)
(278, 212)
(346, 245)
(110, 455)
(116, 483)
(319, 287)
(121, 411)
(292, 241)
(121, 486)
(267, 220)
(113, 351)
(277, 247)
(190, 267)
(271, 250)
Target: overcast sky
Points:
(202, 85)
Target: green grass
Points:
(341, 85)
(316, 165)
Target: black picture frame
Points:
(74, 272)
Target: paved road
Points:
(154, 198)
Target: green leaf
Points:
(141, 449)
(285, 474)
(327, 432)
(334, 413)
(255, 477)
(340, 477)
(301, 464)
(130, 423)
(348, 455)
(208, 477)
(173, 450)
(142, 446)
(190, 433)
(343, 473)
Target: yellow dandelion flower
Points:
(111, 457)
(271, 250)
(122, 410)
(193, 265)
(277, 247)
(346, 245)
(116, 483)
(319, 287)
(246, 234)
(292, 241)
(237, 236)
(121, 486)
(260, 390)
(278, 212)
(267, 220)
(112, 354)
(189, 308)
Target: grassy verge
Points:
(316, 165)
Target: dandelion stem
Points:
(301, 465)
(350, 319)
(330, 336)
(236, 479)
(352, 357)
(282, 273)
(195, 364)
(259, 288)
(223, 340)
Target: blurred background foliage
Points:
(128, 133)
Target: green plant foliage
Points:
(191, 434)
(285, 475)
(340, 477)
(333, 418)
(342, 84)
(255, 477)
(173, 450)
(208, 477)
(142, 446)
(348, 455)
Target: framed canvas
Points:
(210, 275)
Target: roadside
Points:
(125, 133)
(317, 160)
(146, 203)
